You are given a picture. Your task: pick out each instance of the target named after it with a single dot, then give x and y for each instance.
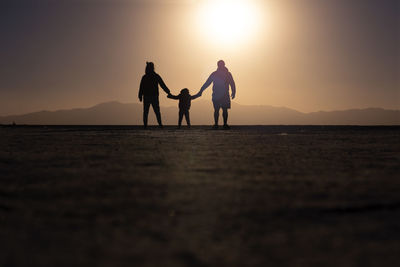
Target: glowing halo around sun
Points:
(228, 21)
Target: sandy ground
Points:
(250, 196)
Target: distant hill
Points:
(115, 113)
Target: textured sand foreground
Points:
(250, 196)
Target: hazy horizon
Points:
(116, 113)
(203, 102)
(308, 56)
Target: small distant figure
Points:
(148, 92)
(185, 100)
(221, 79)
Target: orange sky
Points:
(313, 55)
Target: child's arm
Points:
(173, 96)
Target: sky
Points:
(308, 55)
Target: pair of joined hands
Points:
(196, 95)
(200, 93)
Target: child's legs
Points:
(180, 117)
(187, 117)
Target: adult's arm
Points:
(195, 96)
(173, 96)
(233, 85)
(162, 84)
(141, 89)
(206, 84)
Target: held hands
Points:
(197, 95)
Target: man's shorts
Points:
(224, 102)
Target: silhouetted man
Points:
(148, 92)
(221, 79)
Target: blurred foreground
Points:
(250, 196)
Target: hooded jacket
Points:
(221, 79)
(149, 85)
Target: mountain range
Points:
(116, 113)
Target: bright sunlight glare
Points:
(229, 21)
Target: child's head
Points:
(185, 91)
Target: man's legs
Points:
(225, 115)
(146, 107)
(216, 115)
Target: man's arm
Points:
(206, 84)
(233, 85)
(140, 95)
(162, 84)
(195, 96)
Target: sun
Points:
(228, 21)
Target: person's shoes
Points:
(188, 126)
(160, 126)
(215, 127)
(226, 127)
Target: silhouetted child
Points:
(184, 104)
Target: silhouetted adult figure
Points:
(148, 92)
(221, 79)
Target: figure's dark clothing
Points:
(184, 100)
(149, 91)
(184, 106)
(147, 101)
(181, 114)
(221, 79)
(149, 85)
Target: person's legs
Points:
(180, 118)
(187, 117)
(156, 108)
(146, 107)
(225, 115)
(216, 115)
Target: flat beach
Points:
(249, 196)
